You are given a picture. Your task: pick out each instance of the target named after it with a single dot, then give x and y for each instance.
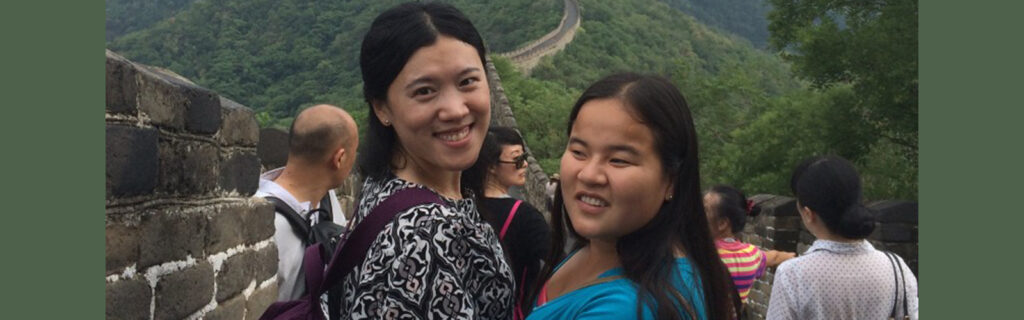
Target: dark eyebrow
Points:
(614, 148)
(625, 148)
(428, 79)
(577, 140)
(417, 81)
(468, 70)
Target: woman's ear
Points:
(383, 113)
(805, 213)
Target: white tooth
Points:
(456, 135)
(593, 201)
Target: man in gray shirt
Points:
(322, 146)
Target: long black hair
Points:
(830, 186)
(647, 255)
(394, 36)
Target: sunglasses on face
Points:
(519, 161)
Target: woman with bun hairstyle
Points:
(727, 209)
(426, 85)
(841, 276)
(630, 197)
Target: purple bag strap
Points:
(353, 251)
(312, 265)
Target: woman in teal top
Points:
(630, 190)
(613, 297)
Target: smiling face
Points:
(505, 172)
(439, 105)
(613, 180)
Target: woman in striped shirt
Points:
(727, 209)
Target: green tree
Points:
(871, 45)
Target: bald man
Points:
(322, 146)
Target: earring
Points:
(669, 198)
(386, 122)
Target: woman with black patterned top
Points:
(425, 81)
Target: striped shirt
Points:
(745, 262)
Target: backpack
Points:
(325, 232)
(346, 256)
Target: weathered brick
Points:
(184, 292)
(131, 161)
(239, 126)
(257, 221)
(174, 102)
(203, 114)
(792, 222)
(272, 148)
(895, 211)
(786, 235)
(226, 229)
(129, 299)
(762, 230)
(122, 247)
(233, 308)
(122, 86)
(260, 300)
(188, 167)
(240, 172)
(236, 274)
(895, 232)
(775, 205)
(266, 263)
(171, 236)
(162, 97)
(806, 237)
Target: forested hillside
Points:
(836, 77)
(277, 56)
(125, 16)
(746, 18)
(756, 117)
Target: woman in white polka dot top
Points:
(841, 276)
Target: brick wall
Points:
(778, 227)
(501, 115)
(183, 237)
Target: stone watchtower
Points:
(184, 238)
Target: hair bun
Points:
(857, 222)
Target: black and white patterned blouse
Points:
(431, 262)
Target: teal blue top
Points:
(617, 299)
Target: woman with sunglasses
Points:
(522, 230)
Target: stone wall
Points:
(183, 237)
(501, 115)
(778, 227)
(528, 56)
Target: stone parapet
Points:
(184, 238)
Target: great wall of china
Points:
(526, 57)
(186, 240)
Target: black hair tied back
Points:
(830, 185)
(857, 222)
